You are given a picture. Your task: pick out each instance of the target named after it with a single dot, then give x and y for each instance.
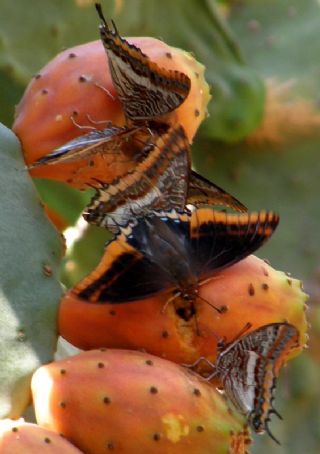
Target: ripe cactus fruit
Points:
(29, 288)
(77, 83)
(25, 438)
(250, 291)
(132, 402)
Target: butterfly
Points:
(173, 252)
(248, 368)
(145, 90)
(161, 181)
(160, 177)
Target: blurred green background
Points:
(261, 141)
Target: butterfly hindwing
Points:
(249, 367)
(203, 192)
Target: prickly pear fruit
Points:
(77, 83)
(250, 291)
(132, 402)
(21, 437)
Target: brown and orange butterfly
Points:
(248, 367)
(175, 253)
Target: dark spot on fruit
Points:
(37, 76)
(149, 362)
(165, 334)
(196, 112)
(289, 281)
(14, 429)
(82, 79)
(21, 335)
(75, 113)
(197, 392)
(231, 433)
(168, 55)
(91, 163)
(265, 286)
(112, 313)
(153, 390)
(200, 429)
(72, 55)
(223, 309)
(156, 436)
(63, 404)
(103, 349)
(47, 440)
(110, 446)
(63, 371)
(47, 270)
(251, 290)
(69, 180)
(107, 400)
(265, 272)
(44, 91)
(197, 75)
(100, 365)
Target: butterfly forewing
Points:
(173, 249)
(145, 90)
(88, 145)
(159, 181)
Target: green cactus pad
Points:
(29, 290)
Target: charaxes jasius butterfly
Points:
(174, 252)
(160, 177)
(147, 93)
(161, 181)
(248, 368)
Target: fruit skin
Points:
(24, 438)
(252, 291)
(70, 85)
(132, 402)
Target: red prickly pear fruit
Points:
(76, 84)
(20, 437)
(250, 292)
(132, 402)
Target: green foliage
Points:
(29, 289)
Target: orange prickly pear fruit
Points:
(21, 437)
(250, 291)
(76, 88)
(132, 402)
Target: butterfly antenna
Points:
(115, 28)
(219, 310)
(270, 433)
(100, 14)
(275, 412)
